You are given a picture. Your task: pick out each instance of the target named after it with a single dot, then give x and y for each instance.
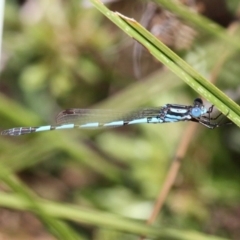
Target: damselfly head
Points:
(198, 108)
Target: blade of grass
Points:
(174, 63)
(186, 139)
(100, 219)
(55, 226)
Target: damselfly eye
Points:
(196, 112)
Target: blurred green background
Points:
(60, 54)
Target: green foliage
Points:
(58, 55)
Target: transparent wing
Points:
(84, 116)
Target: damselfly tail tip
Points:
(5, 132)
(10, 132)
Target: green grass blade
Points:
(174, 63)
(55, 226)
(92, 217)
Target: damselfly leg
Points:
(211, 122)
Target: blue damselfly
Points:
(106, 118)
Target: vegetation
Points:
(102, 184)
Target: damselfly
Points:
(105, 118)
